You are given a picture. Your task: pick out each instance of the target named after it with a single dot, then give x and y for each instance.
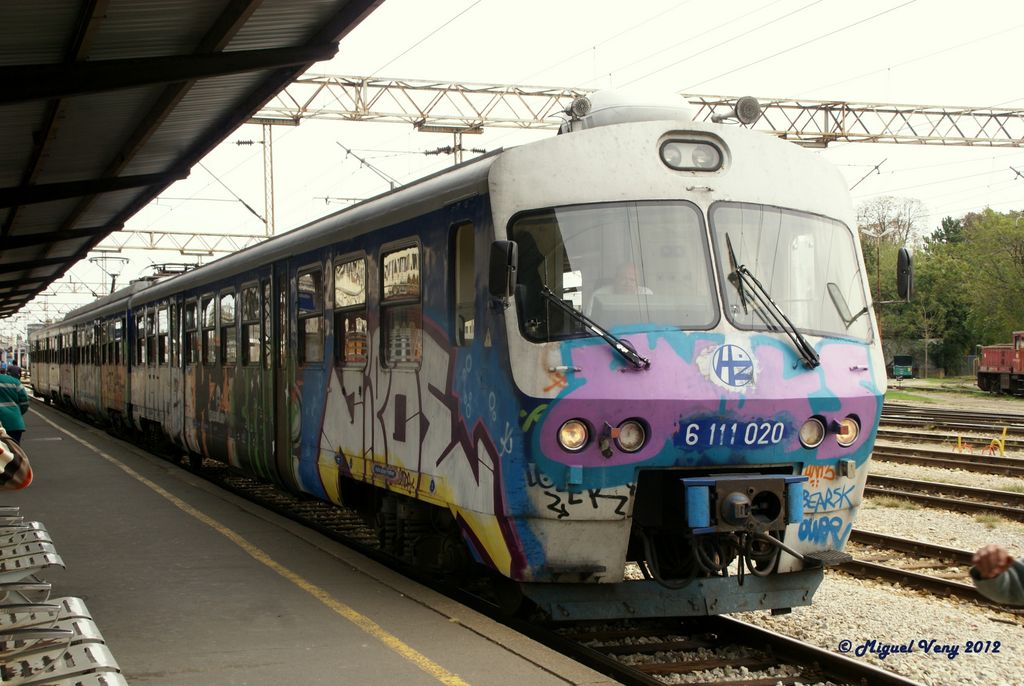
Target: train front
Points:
(696, 364)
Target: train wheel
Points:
(509, 595)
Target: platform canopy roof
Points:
(105, 103)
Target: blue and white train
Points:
(632, 368)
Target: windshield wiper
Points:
(839, 302)
(621, 346)
(736, 279)
(734, 276)
(767, 310)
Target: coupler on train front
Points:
(702, 545)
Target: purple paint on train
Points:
(675, 392)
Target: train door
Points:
(190, 370)
(251, 383)
(152, 390)
(266, 374)
(121, 361)
(173, 408)
(137, 378)
(283, 364)
(396, 437)
(348, 423)
(162, 369)
(310, 381)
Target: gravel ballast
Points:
(875, 617)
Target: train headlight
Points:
(812, 433)
(691, 155)
(573, 435)
(847, 431)
(632, 436)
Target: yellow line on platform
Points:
(360, 620)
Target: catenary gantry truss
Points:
(469, 107)
(458, 108)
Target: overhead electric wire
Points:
(228, 189)
(720, 44)
(421, 40)
(801, 45)
(608, 40)
(930, 183)
(918, 59)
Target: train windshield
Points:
(807, 263)
(630, 264)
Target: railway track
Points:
(975, 440)
(936, 569)
(944, 459)
(716, 650)
(710, 650)
(949, 496)
(954, 420)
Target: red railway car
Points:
(1001, 369)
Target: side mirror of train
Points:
(501, 278)
(904, 274)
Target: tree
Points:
(938, 312)
(899, 221)
(951, 232)
(886, 224)
(994, 283)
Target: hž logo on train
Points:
(729, 366)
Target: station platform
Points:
(190, 584)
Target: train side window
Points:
(250, 326)
(350, 322)
(191, 333)
(465, 284)
(209, 323)
(162, 335)
(110, 354)
(311, 316)
(140, 338)
(228, 340)
(119, 353)
(401, 309)
(151, 337)
(174, 338)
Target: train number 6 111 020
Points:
(709, 434)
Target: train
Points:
(1001, 367)
(629, 370)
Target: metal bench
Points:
(37, 669)
(44, 642)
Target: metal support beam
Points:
(35, 264)
(28, 195)
(42, 81)
(813, 123)
(50, 237)
(184, 242)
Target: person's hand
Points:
(991, 561)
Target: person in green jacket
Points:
(997, 576)
(13, 404)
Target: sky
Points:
(929, 52)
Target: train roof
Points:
(430, 192)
